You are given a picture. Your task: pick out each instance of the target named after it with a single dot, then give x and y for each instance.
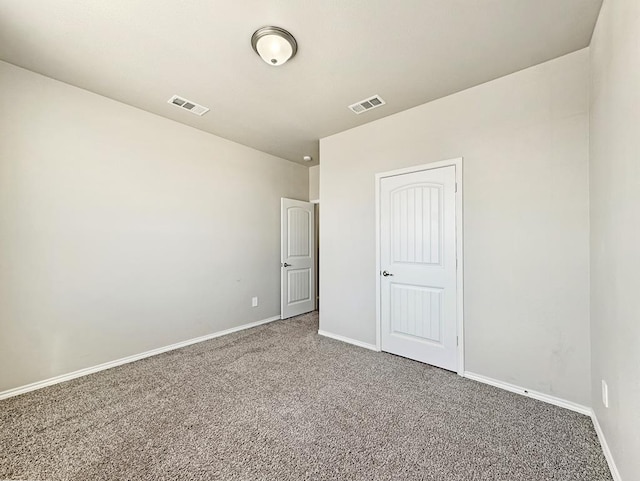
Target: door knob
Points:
(286, 265)
(386, 274)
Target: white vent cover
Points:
(367, 104)
(192, 107)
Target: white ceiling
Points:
(141, 52)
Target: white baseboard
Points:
(556, 401)
(605, 449)
(348, 340)
(118, 362)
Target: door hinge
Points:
(456, 187)
(457, 341)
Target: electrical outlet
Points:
(605, 394)
(254, 302)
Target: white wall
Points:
(615, 228)
(524, 139)
(121, 231)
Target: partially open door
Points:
(297, 269)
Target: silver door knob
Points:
(386, 274)
(286, 265)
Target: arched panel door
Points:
(297, 258)
(418, 296)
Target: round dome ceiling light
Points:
(274, 45)
(307, 158)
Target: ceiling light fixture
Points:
(274, 45)
(307, 158)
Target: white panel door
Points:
(418, 266)
(297, 258)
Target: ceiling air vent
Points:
(192, 107)
(367, 104)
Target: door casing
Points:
(457, 162)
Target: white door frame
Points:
(459, 250)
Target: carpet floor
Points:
(279, 402)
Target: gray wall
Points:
(615, 228)
(121, 231)
(524, 139)
(314, 182)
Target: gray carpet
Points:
(279, 402)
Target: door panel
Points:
(418, 255)
(299, 281)
(416, 224)
(417, 312)
(299, 220)
(297, 265)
